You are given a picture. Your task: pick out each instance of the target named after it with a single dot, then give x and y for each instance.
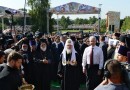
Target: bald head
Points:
(92, 40)
(63, 38)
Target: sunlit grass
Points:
(64, 31)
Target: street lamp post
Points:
(2, 18)
(12, 18)
(48, 21)
(11, 21)
(24, 25)
(48, 18)
(2, 23)
(57, 24)
(99, 18)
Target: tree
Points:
(63, 22)
(77, 21)
(121, 22)
(102, 25)
(126, 23)
(1, 27)
(69, 22)
(85, 21)
(92, 20)
(38, 13)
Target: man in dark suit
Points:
(110, 51)
(104, 46)
(76, 44)
(56, 48)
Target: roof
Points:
(16, 13)
(75, 8)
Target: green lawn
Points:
(57, 85)
(63, 31)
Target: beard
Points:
(69, 51)
(43, 49)
(25, 49)
(16, 67)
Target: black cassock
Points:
(71, 74)
(43, 71)
(110, 53)
(10, 79)
(56, 51)
(27, 62)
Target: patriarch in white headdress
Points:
(69, 49)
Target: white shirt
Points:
(57, 44)
(97, 56)
(63, 43)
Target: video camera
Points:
(126, 73)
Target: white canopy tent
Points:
(16, 13)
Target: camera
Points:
(126, 73)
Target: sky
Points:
(121, 6)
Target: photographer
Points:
(113, 77)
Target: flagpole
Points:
(47, 20)
(99, 18)
(57, 24)
(2, 22)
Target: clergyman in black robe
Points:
(10, 77)
(43, 60)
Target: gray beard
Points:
(43, 49)
(25, 49)
(69, 51)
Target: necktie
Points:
(91, 57)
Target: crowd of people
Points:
(71, 60)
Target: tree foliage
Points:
(103, 26)
(91, 20)
(126, 24)
(65, 21)
(38, 13)
(1, 27)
